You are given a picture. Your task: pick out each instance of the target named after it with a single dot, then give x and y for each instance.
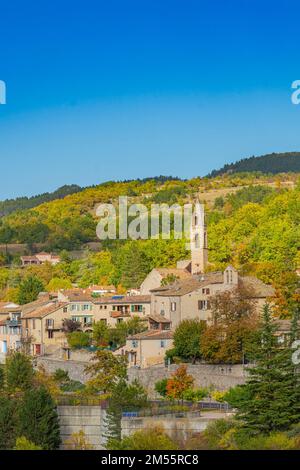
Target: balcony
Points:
(13, 323)
(119, 314)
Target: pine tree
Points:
(38, 419)
(124, 397)
(271, 398)
(7, 423)
(19, 372)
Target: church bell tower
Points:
(199, 250)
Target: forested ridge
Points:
(271, 163)
(256, 228)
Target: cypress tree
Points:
(270, 401)
(38, 419)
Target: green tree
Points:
(8, 422)
(100, 333)
(134, 265)
(106, 370)
(124, 397)
(57, 283)
(78, 339)
(1, 378)
(18, 371)
(29, 289)
(161, 387)
(271, 398)
(38, 419)
(187, 339)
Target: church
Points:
(184, 292)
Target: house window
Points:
(65, 309)
(173, 306)
(134, 343)
(103, 320)
(203, 305)
(163, 343)
(205, 291)
(73, 307)
(50, 334)
(85, 307)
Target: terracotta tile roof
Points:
(41, 300)
(79, 295)
(159, 318)
(153, 334)
(44, 310)
(186, 286)
(259, 288)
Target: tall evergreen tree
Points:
(124, 397)
(19, 372)
(8, 423)
(271, 400)
(38, 419)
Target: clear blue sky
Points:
(100, 90)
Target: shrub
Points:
(218, 396)
(78, 339)
(161, 387)
(147, 439)
(195, 394)
(78, 441)
(24, 444)
(61, 375)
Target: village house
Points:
(10, 328)
(42, 327)
(149, 347)
(40, 258)
(87, 308)
(120, 308)
(191, 298)
(42, 320)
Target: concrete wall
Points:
(179, 428)
(89, 419)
